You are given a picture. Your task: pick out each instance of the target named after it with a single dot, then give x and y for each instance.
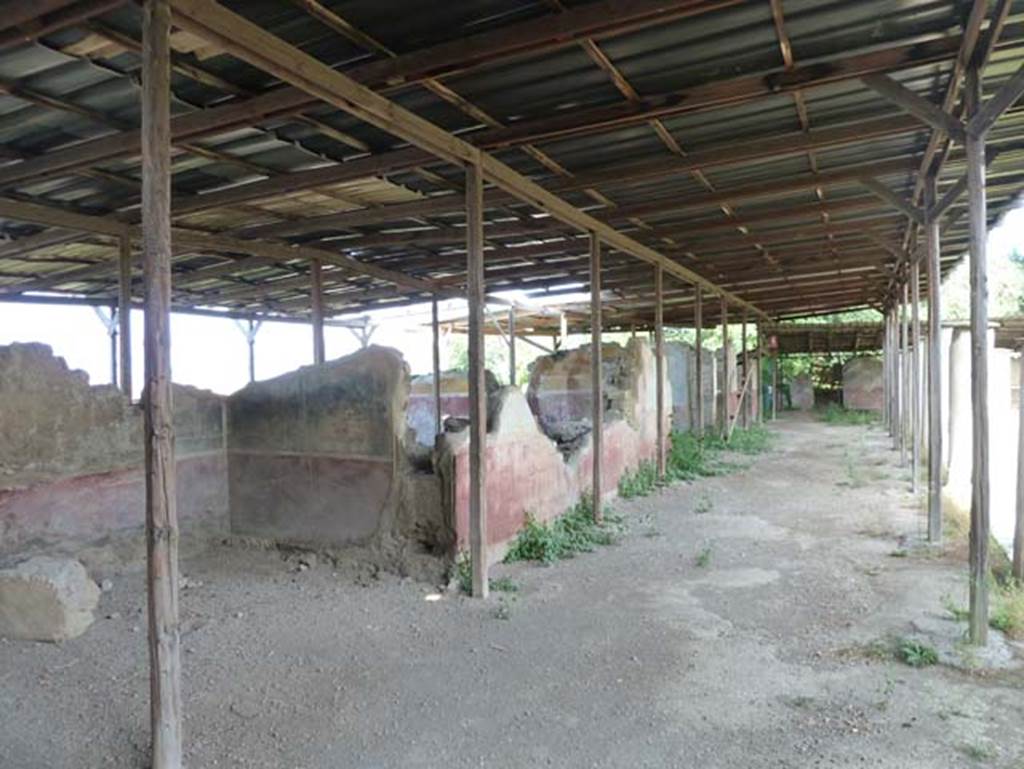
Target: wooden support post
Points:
(477, 385)
(436, 329)
(775, 387)
(596, 374)
(979, 564)
(904, 374)
(745, 406)
(759, 367)
(934, 369)
(161, 506)
(1018, 529)
(915, 379)
(124, 314)
(316, 296)
(885, 370)
(112, 324)
(723, 417)
(512, 346)
(659, 366)
(698, 322)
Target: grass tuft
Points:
(640, 482)
(835, 414)
(574, 532)
(915, 653)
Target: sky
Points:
(211, 353)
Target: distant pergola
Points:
(284, 161)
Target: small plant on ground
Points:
(957, 612)
(915, 653)
(979, 751)
(752, 440)
(640, 482)
(703, 559)
(504, 585)
(574, 532)
(464, 576)
(1007, 612)
(835, 414)
(704, 503)
(504, 608)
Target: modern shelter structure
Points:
(687, 162)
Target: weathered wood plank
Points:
(477, 385)
(161, 507)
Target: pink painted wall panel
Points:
(89, 507)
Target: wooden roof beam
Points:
(265, 51)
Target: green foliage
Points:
(1007, 612)
(640, 482)
(464, 576)
(504, 585)
(703, 559)
(574, 532)
(915, 653)
(689, 458)
(835, 414)
(957, 612)
(841, 318)
(704, 504)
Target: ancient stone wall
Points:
(862, 384)
(316, 456)
(681, 363)
(535, 464)
(71, 456)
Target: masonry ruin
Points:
(340, 455)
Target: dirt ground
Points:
(733, 626)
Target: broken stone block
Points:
(46, 599)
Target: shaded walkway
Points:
(636, 656)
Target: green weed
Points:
(1007, 612)
(640, 482)
(464, 576)
(574, 532)
(979, 751)
(704, 504)
(915, 653)
(703, 559)
(835, 414)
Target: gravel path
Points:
(645, 654)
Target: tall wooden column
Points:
(477, 386)
(776, 381)
(915, 379)
(596, 374)
(759, 368)
(934, 368)
(436, 329)
(1018, 529)
(161, 506)
(659, 365)
(979, 563)
(698, 324)
(723, 419)
(316, 295)
(745, 406)
(904, 373)
(124, 314)
(512, 346)
(885, 370)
